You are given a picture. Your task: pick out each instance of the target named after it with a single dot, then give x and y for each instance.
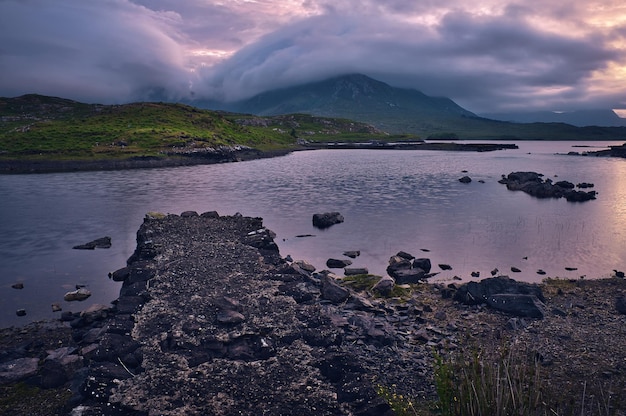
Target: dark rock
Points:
(465, 179)
(584, 185)
(565, 184)
(352, 254)
(305, 266)
(384, 286)
(405, 255)
(494, 271)
(475, 274)
(210, 214)
(188, 214)
(20, 312)
(18, 286)
(104, 242)
(52, 375)
(533, 184)
(541, 272)
(337, 263)
(56, 307)
(504, 294)
(620, 304)
(353, 271)
(120, 275)
(327, 219)
(515, 270)
(422, 263)
(445, 267)
(332, 291)
(618, 273)
(408, 276)
(571, 269)
(517, 304)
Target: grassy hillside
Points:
(40, 127)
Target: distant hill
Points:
(41, 127)
(399, 110)
(580, 118)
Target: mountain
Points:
(580, 118)
(398, 110)
(356, 97)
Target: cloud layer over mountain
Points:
(486, 55)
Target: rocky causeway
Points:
(212, 320)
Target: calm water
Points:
(391, 200)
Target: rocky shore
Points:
(211, 319)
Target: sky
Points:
(486, 55)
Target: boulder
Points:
(422, 263)
(104, 242)
(337, 263)
(352, 254)
(327, 219)
(18, 286)
(77, 295)
(120, 275)
(332, 291)
(533, 184)
(18, 369)
(308, 267)
(528, 306)
(353, 271)
(522, 299)
(465, 179)
(409, 276)
(445, 267)
(384, 286)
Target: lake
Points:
(392, 200)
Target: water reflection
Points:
(392, 200)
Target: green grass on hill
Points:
(38, 127)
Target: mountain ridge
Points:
(399, 110)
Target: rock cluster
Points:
(533, 184)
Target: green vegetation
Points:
(22, 399)
(365, 282)
(49, 128)
(509, 384)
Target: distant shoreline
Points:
(146, 162)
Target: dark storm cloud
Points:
(108, 51)
(486, 55)
(473, 59)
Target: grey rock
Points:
(353, 271)
(620, 304)
(332, 291)
(230, 317)
(18, 369)
(306, 266)
(384, 286)
(77, 295)
(337, 263)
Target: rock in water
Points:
(79, 295)
(104, 242)
(327, 219)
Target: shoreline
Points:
(223, 155)
(208, 304)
